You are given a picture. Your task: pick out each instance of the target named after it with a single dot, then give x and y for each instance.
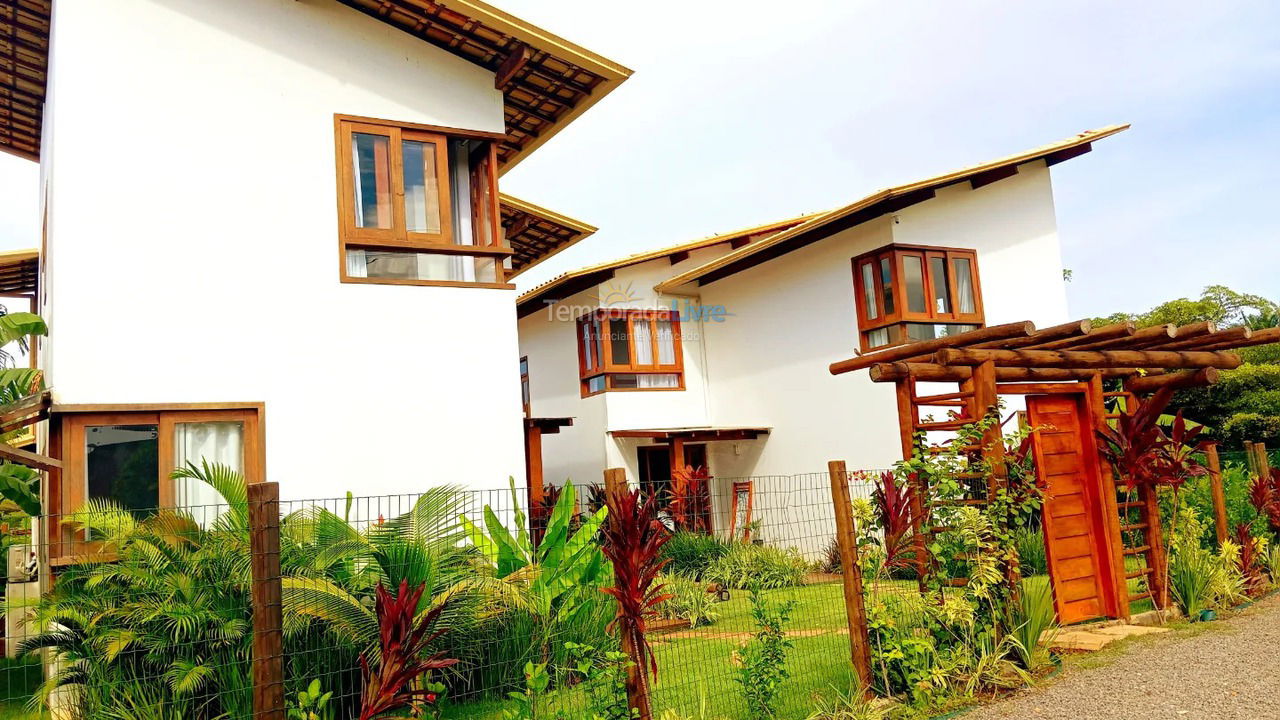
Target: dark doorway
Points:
(655, 467)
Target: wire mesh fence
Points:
(119, 612)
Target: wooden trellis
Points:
(1061, 370)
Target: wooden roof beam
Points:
(902, 352)
(1221, 337)
(1260, 337)
(1106, 332)
(1138, 338)
(1088, 359)
(1175, 381)
(932, 372)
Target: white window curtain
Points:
(642, 341)
(357, 264)
(666, 343)
(657, 380)
(212, 442)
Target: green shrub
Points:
(763, 661)
(690, 553)
(746, 565)
(1032, 616)
(1249, 426)
(1031, 552)
(689, 601)
(1190, 577)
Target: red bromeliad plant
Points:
(892, 502)
(633, 539)
(1250, 560)
(1134, 448)
(688, 499)
(1264, 495)
(403, 639)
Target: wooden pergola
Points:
(1061, 370)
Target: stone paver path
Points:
(1231, 672)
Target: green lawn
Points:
(696, 664)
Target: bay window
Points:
(419, 205)
(906, 293)
(630, 350)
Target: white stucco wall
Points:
(192, 250)
(795, 315)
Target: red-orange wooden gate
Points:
(1075, 527)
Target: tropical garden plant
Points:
(393, 681)
(633, 539)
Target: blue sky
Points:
(741, 113)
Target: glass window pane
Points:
(930, 331)
(666, 343)
(123, 464)
(964, 285)
(886, 279)
(878, 338)
(420, 266)
(640, 338)
(626, 381)
(941, 288)
(619, 342)
(869, 291)
(371, 169)
(913, 277)
(595, 384)
(421, 187)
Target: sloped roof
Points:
(546, 81)
(881, 203)
(536, 233)
(566, 284)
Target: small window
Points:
(908, 293)
(419, 205)
(127, 458)
(630, 350)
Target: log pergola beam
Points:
(932, 372)
(902, 352)
(1175, 381)
(1088, 359)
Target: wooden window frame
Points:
(901, 316)
(398, 237)
(68, 487)
(597, 323)
(526, 394)
(738, 488)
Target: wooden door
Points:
(1075, 528)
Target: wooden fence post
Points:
(1250, 457)
(615, 480)
(265, 596)
(1215, 489)
(1262, 461)
(851, 573)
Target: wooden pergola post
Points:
(1111, 507)
(904, 389)
(851, 575)
(1219, 495)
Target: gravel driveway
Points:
(1227, 673)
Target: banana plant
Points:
(559, 567)
(21, 486)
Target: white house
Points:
(273, 235)
(714, 354)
